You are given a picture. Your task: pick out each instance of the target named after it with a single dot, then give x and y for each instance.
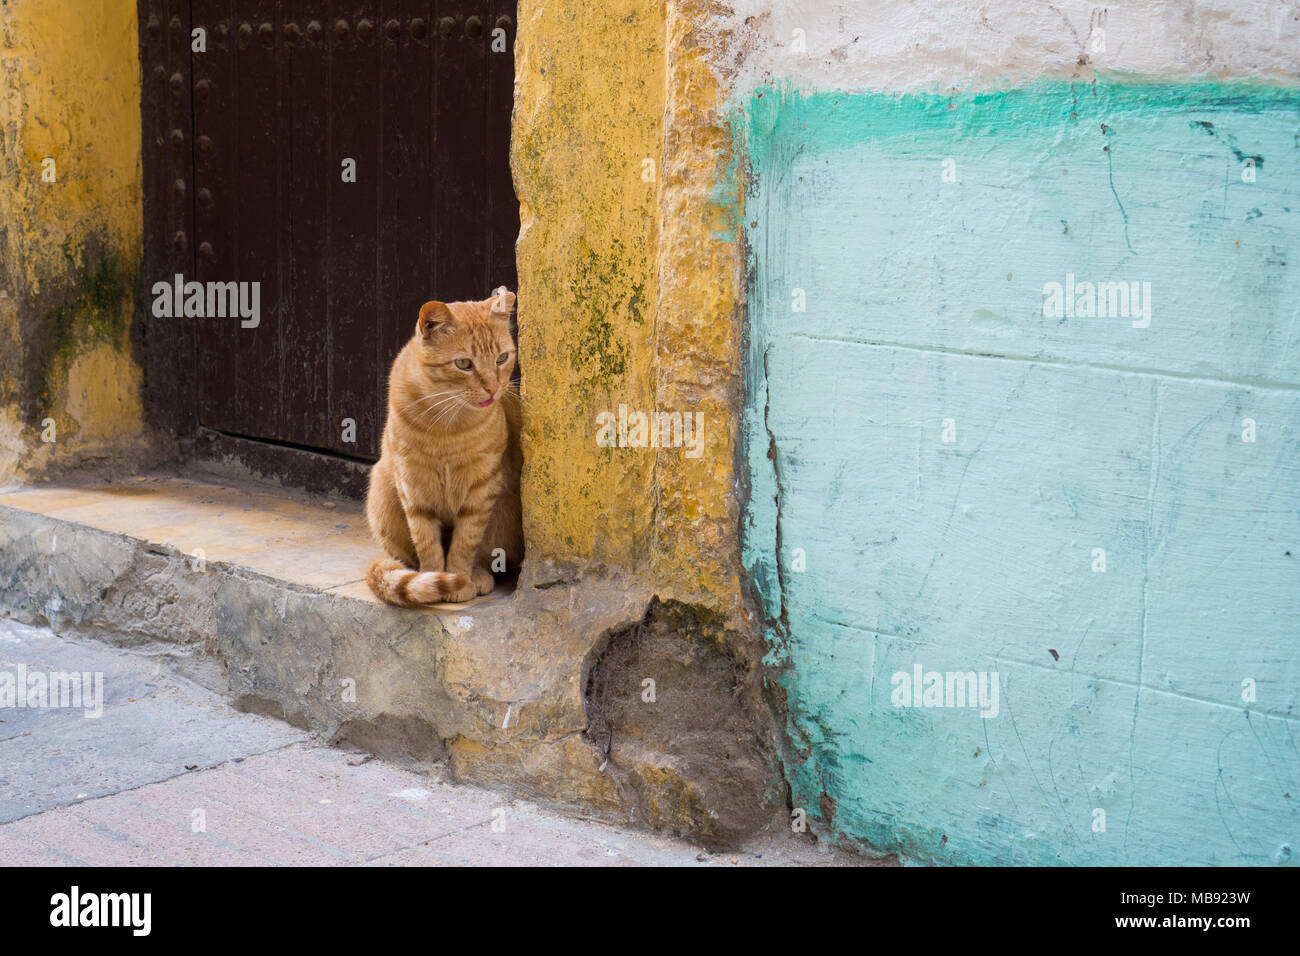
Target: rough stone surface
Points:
(671, 702)
(92, 583)
(500, 693)
(166, 773)
(51, 756)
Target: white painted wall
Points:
(909, 46)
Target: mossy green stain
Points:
(597, 351)
(94, 305)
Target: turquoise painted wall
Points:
(1126, 731)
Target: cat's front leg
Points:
(465, 539)
(426, 535)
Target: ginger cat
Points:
(445, 491)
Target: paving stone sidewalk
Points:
(170, 774)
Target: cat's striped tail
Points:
(395, 583)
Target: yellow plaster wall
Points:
(696, 554)
(588, 109)
(69, 249)
(628, 292)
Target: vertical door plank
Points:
(460, 161)
(166, 130)
(261, 215)
(306, 417)
(353, 253)
(216, 229)
(405, 193)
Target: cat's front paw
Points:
(461, 595)
(482, 580)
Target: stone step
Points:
(535, 691)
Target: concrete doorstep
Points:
(186, 595)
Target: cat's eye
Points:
(464, 364)
(501, 359)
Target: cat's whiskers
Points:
(425, 398)
(451, 397)
(421, 399)
(431, 408)
(448, 414)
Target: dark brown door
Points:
(349, 157)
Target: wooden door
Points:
(349, 157)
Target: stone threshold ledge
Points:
(537, 691)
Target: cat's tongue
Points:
(483, 404)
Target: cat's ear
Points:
(433, 317)
(503, 302)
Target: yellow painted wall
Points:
(588, 108)
(696, 555)
(69, 249)
(628, 293)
